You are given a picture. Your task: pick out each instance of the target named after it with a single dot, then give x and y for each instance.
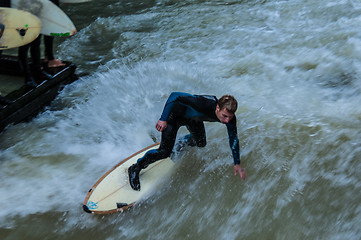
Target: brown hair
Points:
(229, 103)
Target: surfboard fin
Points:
(120, 205)
(22, 31)
(86, 209)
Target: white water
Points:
(294, 67)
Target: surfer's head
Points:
(226, 107)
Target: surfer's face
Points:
(223, 115)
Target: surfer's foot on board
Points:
(133, 172)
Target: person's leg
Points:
(164, 151)
(37, 69)
(49, 51)
(197, 136)
(165, 148)
(49, 54)
(36, 57)
(24, 65)
(48, 46)
(48, 41)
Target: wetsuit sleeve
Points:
(172, 100)
(233, 140)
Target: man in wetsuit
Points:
(184, 109)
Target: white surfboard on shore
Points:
(54, 21)
(17, 28)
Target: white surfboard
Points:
(54, 21)
(74, 1)
(17, 28)
(113, 193)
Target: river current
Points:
(295, 69)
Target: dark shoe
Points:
(133, 172)
(4, 101)
(30, 81)
(31, 84)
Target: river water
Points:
(295, 68)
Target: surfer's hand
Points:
(161, 125)
(240, 170)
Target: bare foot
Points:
(55, 63)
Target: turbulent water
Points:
(295, 68)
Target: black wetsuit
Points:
(183, 109)
(5, 3)
(23, 50)
(48, 41)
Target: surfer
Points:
(184, 109)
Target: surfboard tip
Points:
(86, 209)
